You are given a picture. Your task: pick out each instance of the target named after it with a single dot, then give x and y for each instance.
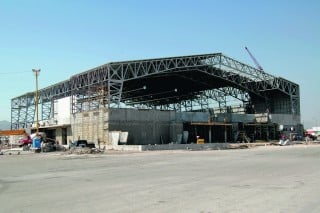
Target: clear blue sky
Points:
(65, 37)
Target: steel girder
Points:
(56, 91)
(111, 78)
(204, 100)
(47, 110)
(23, 107)
(240, 75)
(22, 111)
(91, 98)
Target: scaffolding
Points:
(92, 124)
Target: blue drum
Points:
(36, 143)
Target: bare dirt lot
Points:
(264, 179)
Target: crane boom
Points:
(254, 60)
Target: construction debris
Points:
(84, 150)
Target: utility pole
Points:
(37, 73)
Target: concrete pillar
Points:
(225, 133)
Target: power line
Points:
(8, 73)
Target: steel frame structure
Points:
(183, 83)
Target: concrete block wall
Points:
(145, 126)
(285, 119)
(235, 118)
(288, 122)
(175, 129)
(192, 116)
(91, 126)
(148, 126)
(59, 135)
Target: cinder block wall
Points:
(59, 135)
(91, 126)
(145, 126)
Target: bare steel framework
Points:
(183, 83)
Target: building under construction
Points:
(209, 96)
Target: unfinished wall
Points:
(91, 126)
(285, 119)
(64, 140)
(61, 111)
(152, 126)
(192, 116)
(145, 126)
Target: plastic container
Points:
(36, 143)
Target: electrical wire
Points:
(7, 73)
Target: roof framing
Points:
(162, 83)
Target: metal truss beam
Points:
(47, 110)
(111, 78)
(22, 111)
(204, 100)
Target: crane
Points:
(254, 60)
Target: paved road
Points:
(265, 179)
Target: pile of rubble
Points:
(84, 150)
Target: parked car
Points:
(81, 143)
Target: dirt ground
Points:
(261, 179)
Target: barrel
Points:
(36, 143)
